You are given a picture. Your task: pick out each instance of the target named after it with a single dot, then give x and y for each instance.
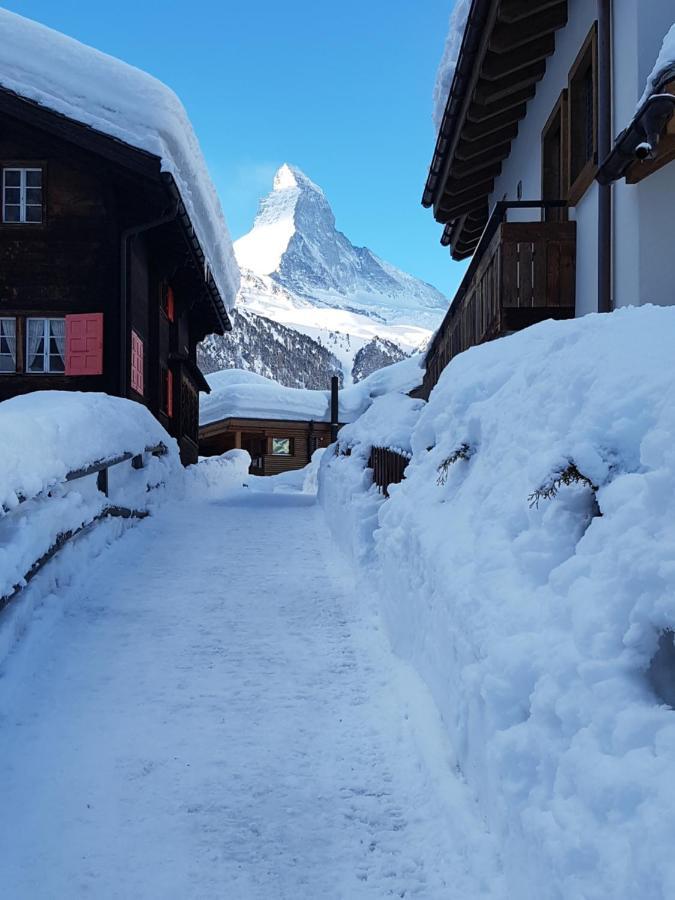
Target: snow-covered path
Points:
(217, 715)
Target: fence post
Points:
(102, 481)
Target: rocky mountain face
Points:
(260, 345)
(295, 242)
(374, 355)
(311, 303)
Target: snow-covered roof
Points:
(663, 67)
(448, 63)
(123, 102)
(237, 394)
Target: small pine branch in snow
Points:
(569, 475)
(464, 451)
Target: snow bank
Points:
(665, 65)
(534, 625)
(399, 378)
(239, 394)
(446, 68)
(121, 101)
(44, 436)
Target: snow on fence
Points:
(388, 467)
(100, 469)
(69, 460)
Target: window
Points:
(22, 196)
(583, 118)
(554, 159)
(282, 447)
(7, 345)
(45, 345)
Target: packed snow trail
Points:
(215, 714)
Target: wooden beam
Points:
(460, 209)
(509, 35)
(467, 150)
(457, 185)
(515, 10)
(498, 65)
(474, 132)
(449, 199)
(490, 92)
(479, 113)
(479, 163)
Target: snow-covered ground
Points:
(534, 617)
(212, 710)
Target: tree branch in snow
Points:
(569, 475)
(464, 451)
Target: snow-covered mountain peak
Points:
(288, 176)
(294, 241)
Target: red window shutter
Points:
(136, 363)
(170, 304)
(84, 344)
(169, 393)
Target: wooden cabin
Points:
(275, 446)
(518, 179)
(104, 285)
(280, 427)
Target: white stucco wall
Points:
(643, 258)
(643, 267)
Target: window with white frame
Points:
(22, 196)
(45, 345)
(7, 344)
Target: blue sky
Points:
(342, 90)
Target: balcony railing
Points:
(521, 273)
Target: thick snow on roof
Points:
(123, 102)
(446, 69)
(237, 394)
(664, 62)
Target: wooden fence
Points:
(388, 467)
(100, 468)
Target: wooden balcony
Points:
(521, 273)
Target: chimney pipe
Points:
(334, 410)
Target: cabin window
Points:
(583, 119)
(46, 346)
(554, 159)
(22, 196)
(282, 447)
(7, 345)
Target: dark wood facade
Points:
(113, 245)
(262, 437)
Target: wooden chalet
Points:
(104, 285)
(515, 178)
(275, 446)
(279, 427)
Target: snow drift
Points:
(119, 100)
(532, 617)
